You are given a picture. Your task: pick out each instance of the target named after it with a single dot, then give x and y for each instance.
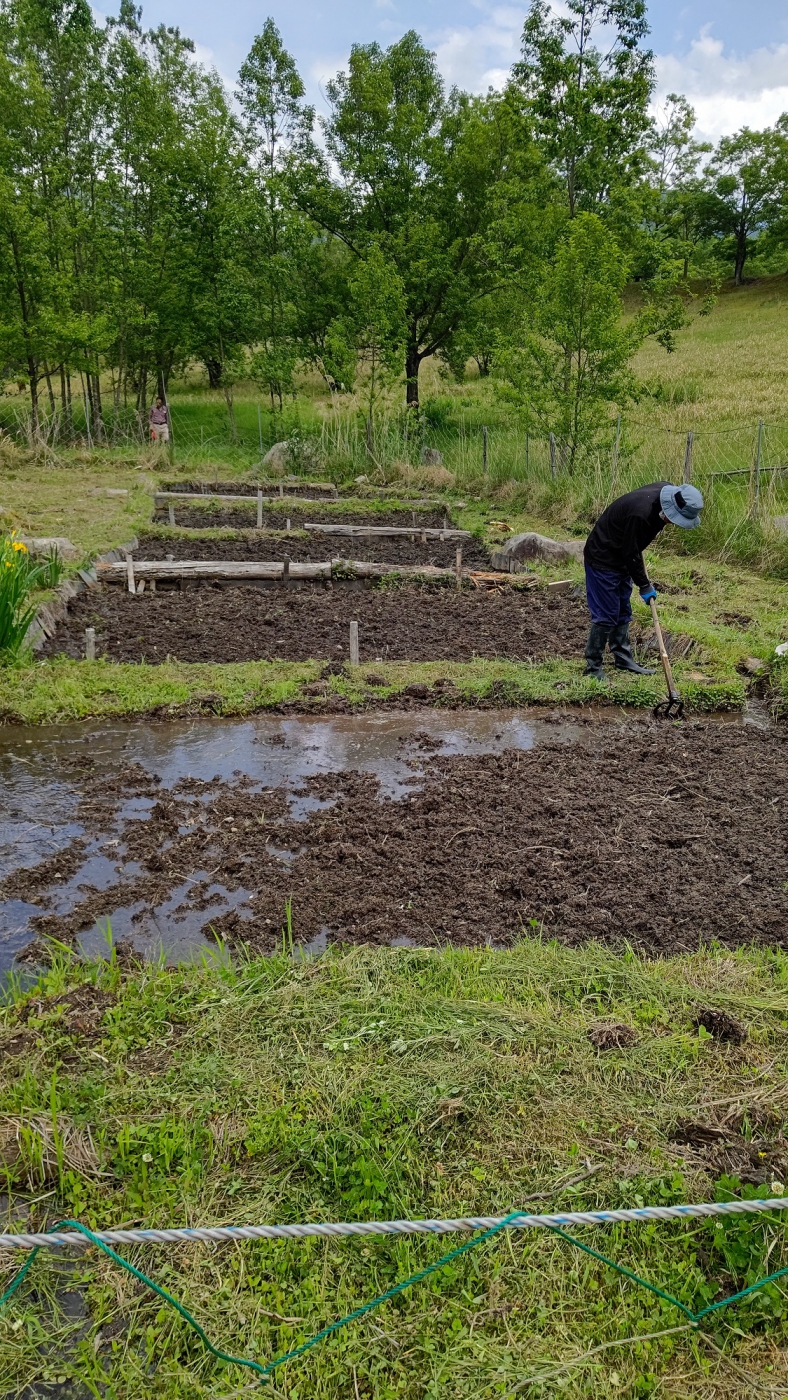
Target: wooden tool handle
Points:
(672, 691)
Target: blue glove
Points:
(648, 593)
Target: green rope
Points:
(143, 1278)
(264, 1372)
(390, 1293)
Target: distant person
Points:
(614, 561)
(159, 420)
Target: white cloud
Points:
(479, 56)
(728, 91)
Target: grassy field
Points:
(386, 1084)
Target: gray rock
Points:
(431, 457)
(278, 459)
(45, 544)
(520, 548)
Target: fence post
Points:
(260, 432)
(527, 453)
(484, 451)
(354, 644)
(614, 471)
(757, 472)
(688, 459)
(552, 456)
(87, 419)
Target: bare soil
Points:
(250, 548)
(664, 835)
(407, 623)
(194, 517)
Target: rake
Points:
(673, 707)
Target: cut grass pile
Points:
(399, 1084)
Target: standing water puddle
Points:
(46, 773)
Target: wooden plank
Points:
(214, 568)
(381, 532)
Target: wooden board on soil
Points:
(405, 623)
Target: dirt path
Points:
(667, 836)
(409, 623)
(319, 547)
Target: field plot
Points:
(406, 623)
(428, 830)
(215, 515)
(300, 547)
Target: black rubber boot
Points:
(621, 648)
(595, 650)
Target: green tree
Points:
(369, 340)
(415, 170)
(747, 176)
(278, 126)
(568, 362)
(590, 104)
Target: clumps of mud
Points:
(662, 836)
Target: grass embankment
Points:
(379, 1084)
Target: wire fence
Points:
(751, 459)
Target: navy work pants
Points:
(608, 596)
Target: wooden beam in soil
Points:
(383, 532)
(153, 569)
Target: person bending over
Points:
(614, 561)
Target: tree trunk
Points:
(412, 362)
(32, 370)
(214, 369)
(741, 255)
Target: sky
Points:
(730, 59)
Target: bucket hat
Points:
(682, 505)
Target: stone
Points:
(278, 458)
(48, 544)
(431, 457)
(753, 666)
(533, 546)
(418, 690)
(115, 491)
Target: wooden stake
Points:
(286, 570)
(688, 459)
(484, 451)
(281, 489)
(552, 456)
(152, 584)
(130, 574)
(259, 510)
(171, 514)
(354, 644)
(288, 524)
(459, 566)
(90, 643)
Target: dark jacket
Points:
(622, 532)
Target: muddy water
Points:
(41, 796)
(46, 774)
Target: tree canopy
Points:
(150, 220)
